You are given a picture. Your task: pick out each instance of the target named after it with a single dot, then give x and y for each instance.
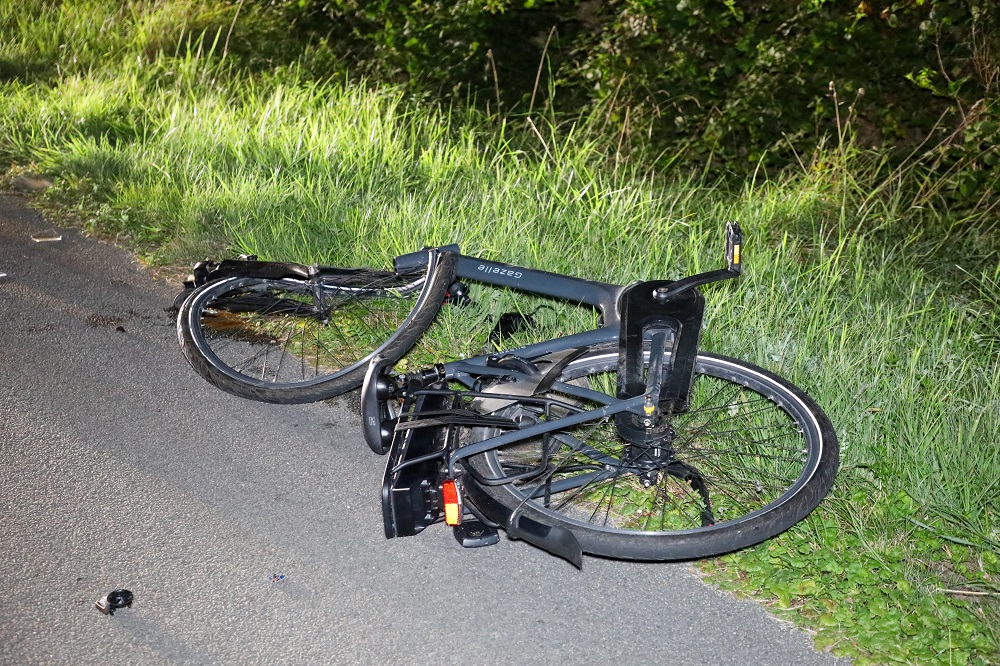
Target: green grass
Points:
(860, 285)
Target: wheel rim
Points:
(747, 446)
(271, 334)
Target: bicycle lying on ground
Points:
(625, 441)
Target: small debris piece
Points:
(97, 319)
(49, 236)
(114, 600)
(29, 184)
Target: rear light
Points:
(452, 502)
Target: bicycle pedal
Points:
(734, 242)
(475, 534)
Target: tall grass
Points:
(849, 291)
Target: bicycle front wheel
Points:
(295, 341)
(751, 456)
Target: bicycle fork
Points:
(658, 312)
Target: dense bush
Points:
(731, 83)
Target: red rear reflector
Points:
(452, 502)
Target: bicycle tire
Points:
(268, 340)
(765, 452)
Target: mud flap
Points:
(556, 540)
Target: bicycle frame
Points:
(684, 455)
(424, 453)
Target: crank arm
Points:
(734, 242)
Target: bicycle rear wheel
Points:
(295, 341)
(752, 456)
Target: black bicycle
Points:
(625, 441)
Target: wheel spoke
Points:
(276, 334)
(746, 444)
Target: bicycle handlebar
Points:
(415, 261)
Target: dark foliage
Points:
(728, 83)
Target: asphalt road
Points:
(123, 469)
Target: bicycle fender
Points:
(556, 540)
